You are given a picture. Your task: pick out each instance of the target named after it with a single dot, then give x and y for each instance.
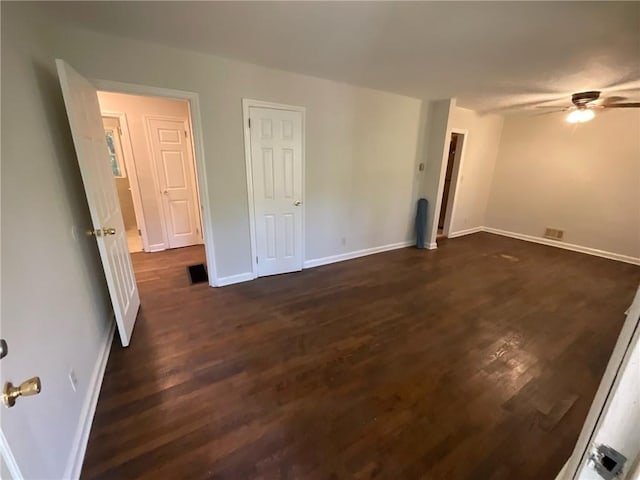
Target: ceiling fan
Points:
(586, 103)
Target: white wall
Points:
(480, 151)
(361, 144)
(437, 148)
(363, 147)
(55, 311)
(136, 107)
(126, 202)
(479, 155)
(583, 179)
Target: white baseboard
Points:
(566, 246)
(79, 446)
(230, 280)
(467, 231)
(156, 247)
(432, 246)
(9, 459)
(245, 277)
(316, 262)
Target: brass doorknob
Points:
(297, 203)
(27, 388)
(109, 231)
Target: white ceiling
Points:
(490, 55)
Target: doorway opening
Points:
(451, 180)
(149, 141)
(174, 152)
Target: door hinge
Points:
(119, 130)
(249, 123)
(256, 259)
(186, 135)
(139, 232)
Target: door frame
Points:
(197, 144)
(156, 179)
(132, 174)
(248, 103)
(628, 337)
(450, 212)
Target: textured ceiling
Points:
(490, 55)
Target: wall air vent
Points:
(553, 233)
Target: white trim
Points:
(230, 280)
(432, 246)
(79, 446)
(9, 459)
(195, 172)
(198, 143)
(130, 165)
(356, 254)
(566, 246)
(450, 208)
(607, 390)
(153, 165)
(444, 155)
(563, 473)
(245, 277)
(247, 103)
(468, 231)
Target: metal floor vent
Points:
(554, 233)
(197, 273)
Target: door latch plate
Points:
(607, 462)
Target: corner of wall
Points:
(438, 126)
(494, 162)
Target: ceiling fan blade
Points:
(539, 114)
(622, 105)
(555, 107)
(613, 99)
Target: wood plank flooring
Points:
(478, 360)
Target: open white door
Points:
(83, 110)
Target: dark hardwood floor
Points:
(476, 361)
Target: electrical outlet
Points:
(73, 379)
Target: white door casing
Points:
(128, 160)
(85, 120)
(613, 417)
(277, 175)
(174, 164)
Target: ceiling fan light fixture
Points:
(580, 116)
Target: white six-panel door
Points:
(85, 120)
(172, 155)
(276, 163)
